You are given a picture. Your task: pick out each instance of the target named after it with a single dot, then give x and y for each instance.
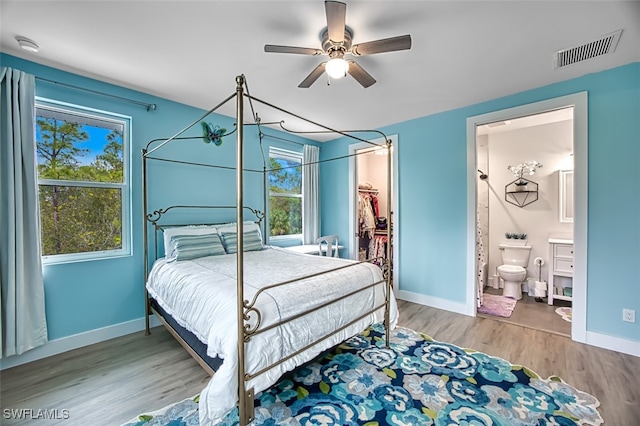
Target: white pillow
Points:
(183, 230)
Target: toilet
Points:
(513, 272)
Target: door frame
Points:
(579, 102)
(353, 199)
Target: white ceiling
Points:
(463, 52)
(526, 121)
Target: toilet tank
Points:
(514, 254)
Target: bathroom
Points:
(503, 208)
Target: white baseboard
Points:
(77, 341)
(434, 302)
(630, 347)
(80, 340)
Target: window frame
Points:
(276, 152)
(125, 186)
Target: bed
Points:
(246, 311)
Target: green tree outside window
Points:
(82, 185)
(285, 193)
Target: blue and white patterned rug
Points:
(417, 381)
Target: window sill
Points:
(286, 240)
(84, 257)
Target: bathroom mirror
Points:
(565, 180)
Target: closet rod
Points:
(149, 107)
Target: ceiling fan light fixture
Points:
(336, 41)
(337, 68)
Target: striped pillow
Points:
(183, 230)
(252, 240)
(187, 247)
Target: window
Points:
(82, 181)
(285, 193)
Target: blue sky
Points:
(95, 144)
(289, 169)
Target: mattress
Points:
(200, 295)
(198, 346)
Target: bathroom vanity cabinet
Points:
(560, 265)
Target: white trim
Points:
(293, 156)
(89, 115)
(579, 102)
(286, 154)
(604, 341)
(434, 302)
(631, 347)
(395, 201)
(77, 341)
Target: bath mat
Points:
(565, 312)
(497, 305)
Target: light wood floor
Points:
(532, 314)
(111, 382)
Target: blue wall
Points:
(85, 296)
(432, 170)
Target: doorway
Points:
(368, 165)
(578, 103)
(521, 163)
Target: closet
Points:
(373, 217)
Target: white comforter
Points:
(201, 295)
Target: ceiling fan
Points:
(336, 42)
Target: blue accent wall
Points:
(432, 170)
(432, 166)
(85, 296)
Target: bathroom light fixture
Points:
(337, 67)
(27, 44)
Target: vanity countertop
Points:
(560, 239)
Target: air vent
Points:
(603, 46)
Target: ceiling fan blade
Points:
(361, 76)
(380, 46)
(336, 17)
(271, 48)
(311, 78)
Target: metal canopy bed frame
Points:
(249, 316)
